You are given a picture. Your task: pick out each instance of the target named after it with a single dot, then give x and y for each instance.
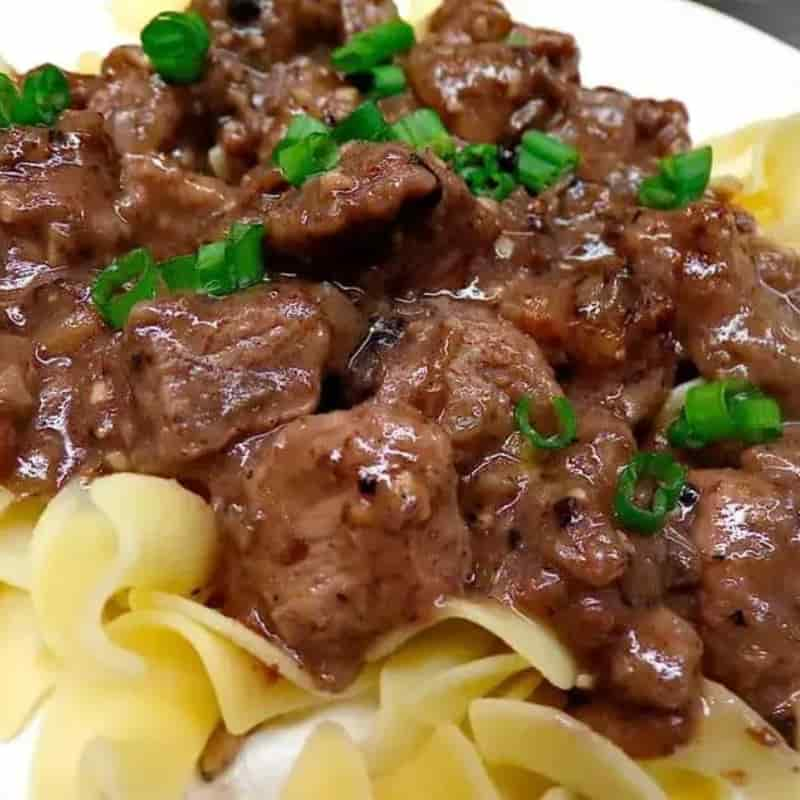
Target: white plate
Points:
(727, 73)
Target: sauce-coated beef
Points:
(462, 367)
(207, 372)
(340, 527)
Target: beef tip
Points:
(778, 462)
(457, 21)
(618, 135)
(207, 372)
(732, 323)
(748, 615)
(142, 113)
(634, 391)
(347, 206)
(262, 33)
(479, 88)
(58, 189)
(476, 368)
(17, 377)
(350, 527)
(656, 662)
(170, 210)
(641, 733)
(255, 108)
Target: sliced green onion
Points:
(374, 47)
(312, 156)
(543, 159)
(758, 418)
(656, 193)
(126, 282)
(424, 129)
(245, 253)
(386, 81)
(177, 45)
(479, 166)
(725, 410)
(365, 124)
(682, 179)
(517, 38)
(568, 422)
(214, 274)
(670, 477)
(180, 273)
(45, 94)
(302, 125)
(9, 97)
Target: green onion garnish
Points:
(373, 47)
(567, 419)
(386, 81)
(726, 410)
(682, 179)
(365, 124)
(302, 125)
(180, 273)
(479, 166)
(214, 275)
(45, 94)
(245, 253)
(312, 156)
(670, 478)
(120, 286)
(424, 129)
(9, 97)
(543, 159)
(177, 45)
(517, 38)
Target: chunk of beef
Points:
(340, 528)
(656, 662)
(471, 21)
(17, 377)
(778, 462)
(732, 323)
(634, 391)
(619, 136)
(207, 372)
(74, 429)
(748, 615)
(170, 210)
(264, 32)
(485, 92)
(142, 113)
(350, 205)
(255, 108)
(465, 368)
(58, 189)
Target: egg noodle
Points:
(103, 627)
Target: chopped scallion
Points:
(374, 47)
(312, 156)
(424, 129)
(543, 159)
(567, 420)
(670, 478)
(479, 166)
(365, 124)
(45, 94)
(126, 282)
(387, 80)
(9, 97)
(245, 253)
(177, 45)
(683, 178)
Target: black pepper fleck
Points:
(243, 12)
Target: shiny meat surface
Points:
(342, 526)
(352, 417)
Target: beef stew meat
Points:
(352, 417)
